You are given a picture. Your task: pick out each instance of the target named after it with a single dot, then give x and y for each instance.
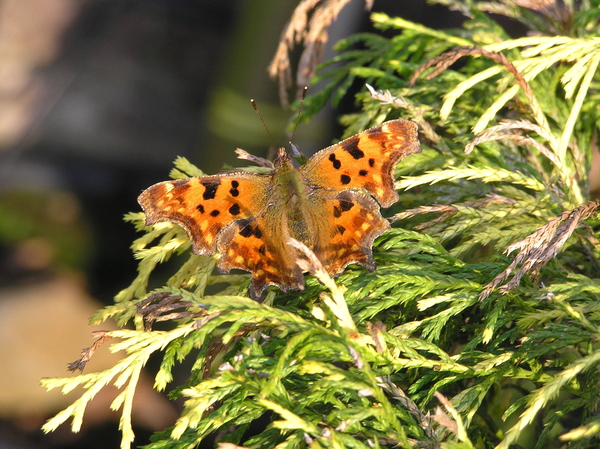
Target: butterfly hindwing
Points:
(355, 223)
(257, 245)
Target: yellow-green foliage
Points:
(486, 295)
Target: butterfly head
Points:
(283, 160)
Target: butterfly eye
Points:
(294, 150)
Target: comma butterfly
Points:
(331, 204)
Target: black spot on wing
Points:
(234, 209)
(346, 205)
(215, 213)
(337, 164)
(210, 187)
(351, 147)
(345, 179)
(371, 162)
(200, 208)
(248, 229)
(363, 173)
(234, 188)
(341, 207)
(245, 228)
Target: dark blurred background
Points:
(97, 99)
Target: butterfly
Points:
(330, 204)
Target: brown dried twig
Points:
(386, 97)
(445, 60)
(312, 31)
(441, 417)
(496, 133)
(425, 421)
(376, 331)
(537, 249)
(559, 14)
(87, 353)
(152, 311)
(448, 211)
(260, 161)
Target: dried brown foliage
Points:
(155, 307)
(448, 211)
(416, 113)
(558, 13)
(499, 133)
(260, 161)
(87, 353)
(152, 309)
(440, 415)
(445, 60)
(539, 248)
(309, 26)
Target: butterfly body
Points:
(331, 204)
(295, 198)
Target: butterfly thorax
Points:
(295, 194)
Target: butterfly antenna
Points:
(299, 112)
(262, 121)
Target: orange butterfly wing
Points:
(365, 161)
(229, 213)
(258, 245)
(342, 175)
(355, 222)
(204, 206)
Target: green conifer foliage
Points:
(480, 326)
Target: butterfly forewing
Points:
(204, 206)
(365, 161)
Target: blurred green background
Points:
(97, 99)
